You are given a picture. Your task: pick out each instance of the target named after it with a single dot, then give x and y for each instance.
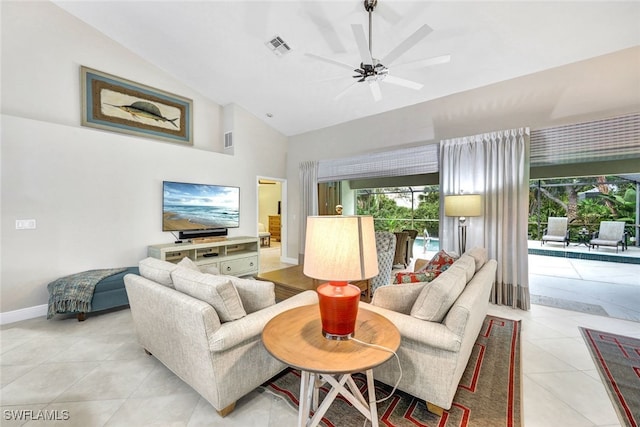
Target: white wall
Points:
(96, 195)
(598, 88)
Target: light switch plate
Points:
(25, 224)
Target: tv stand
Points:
(235, 256)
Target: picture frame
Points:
(119, 105)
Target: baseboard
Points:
(289, 260)
(23, 314)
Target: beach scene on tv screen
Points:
(199, 206)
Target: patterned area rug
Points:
(618, 361)
(489, 393)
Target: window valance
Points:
(608, 139)
(405, 161)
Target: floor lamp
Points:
(463, 206)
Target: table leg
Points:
(355, 391)
(309, 384)
(373, 406)
(317, 383)
(305, 393)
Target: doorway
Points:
(271, 222)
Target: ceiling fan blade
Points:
(403, 82)
(375, 90)
(331, 61)
(407, 44)
(388, 14)
(316, 13)
(422, 63)
(361, 41)
(347, 89)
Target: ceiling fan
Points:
(373, 70)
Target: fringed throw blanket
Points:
(74, 293)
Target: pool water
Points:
(433, 245)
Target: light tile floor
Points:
(96, 371)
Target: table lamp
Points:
(463, 206)
(339, 249)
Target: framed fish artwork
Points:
(119, 105)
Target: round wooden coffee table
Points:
(295, 338)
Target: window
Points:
(401, 208)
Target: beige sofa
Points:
(217, 351)
(439, 322)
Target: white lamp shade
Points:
(463, 205)
(340, 248)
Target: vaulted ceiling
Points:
(220, 48)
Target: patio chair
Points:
(412, 238)
(556, 231)
(611, 233)
(402, 242)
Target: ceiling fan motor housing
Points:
(368, 72)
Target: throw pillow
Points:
(211, 269)
(440, 262)
(254, 294)
(157, 270)
(409, 277)
(480, 256)
(468, 264)
(186, 262)
(218, 291)
(420, 265)
(437, 297)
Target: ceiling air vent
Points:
(278, 46)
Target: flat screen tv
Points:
(187, 206)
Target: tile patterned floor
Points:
(96, 371)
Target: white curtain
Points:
(308, 199)
(495, 165)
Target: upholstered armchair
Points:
(386, 248)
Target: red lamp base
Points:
(338, 309)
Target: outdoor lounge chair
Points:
(556, 231)
(611, 233)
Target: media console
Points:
(235, 256)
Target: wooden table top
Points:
(295, 338)
(289, 276)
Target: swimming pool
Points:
(433, 245)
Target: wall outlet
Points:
(25, 224)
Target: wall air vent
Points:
(228, 140)
(278, 46)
